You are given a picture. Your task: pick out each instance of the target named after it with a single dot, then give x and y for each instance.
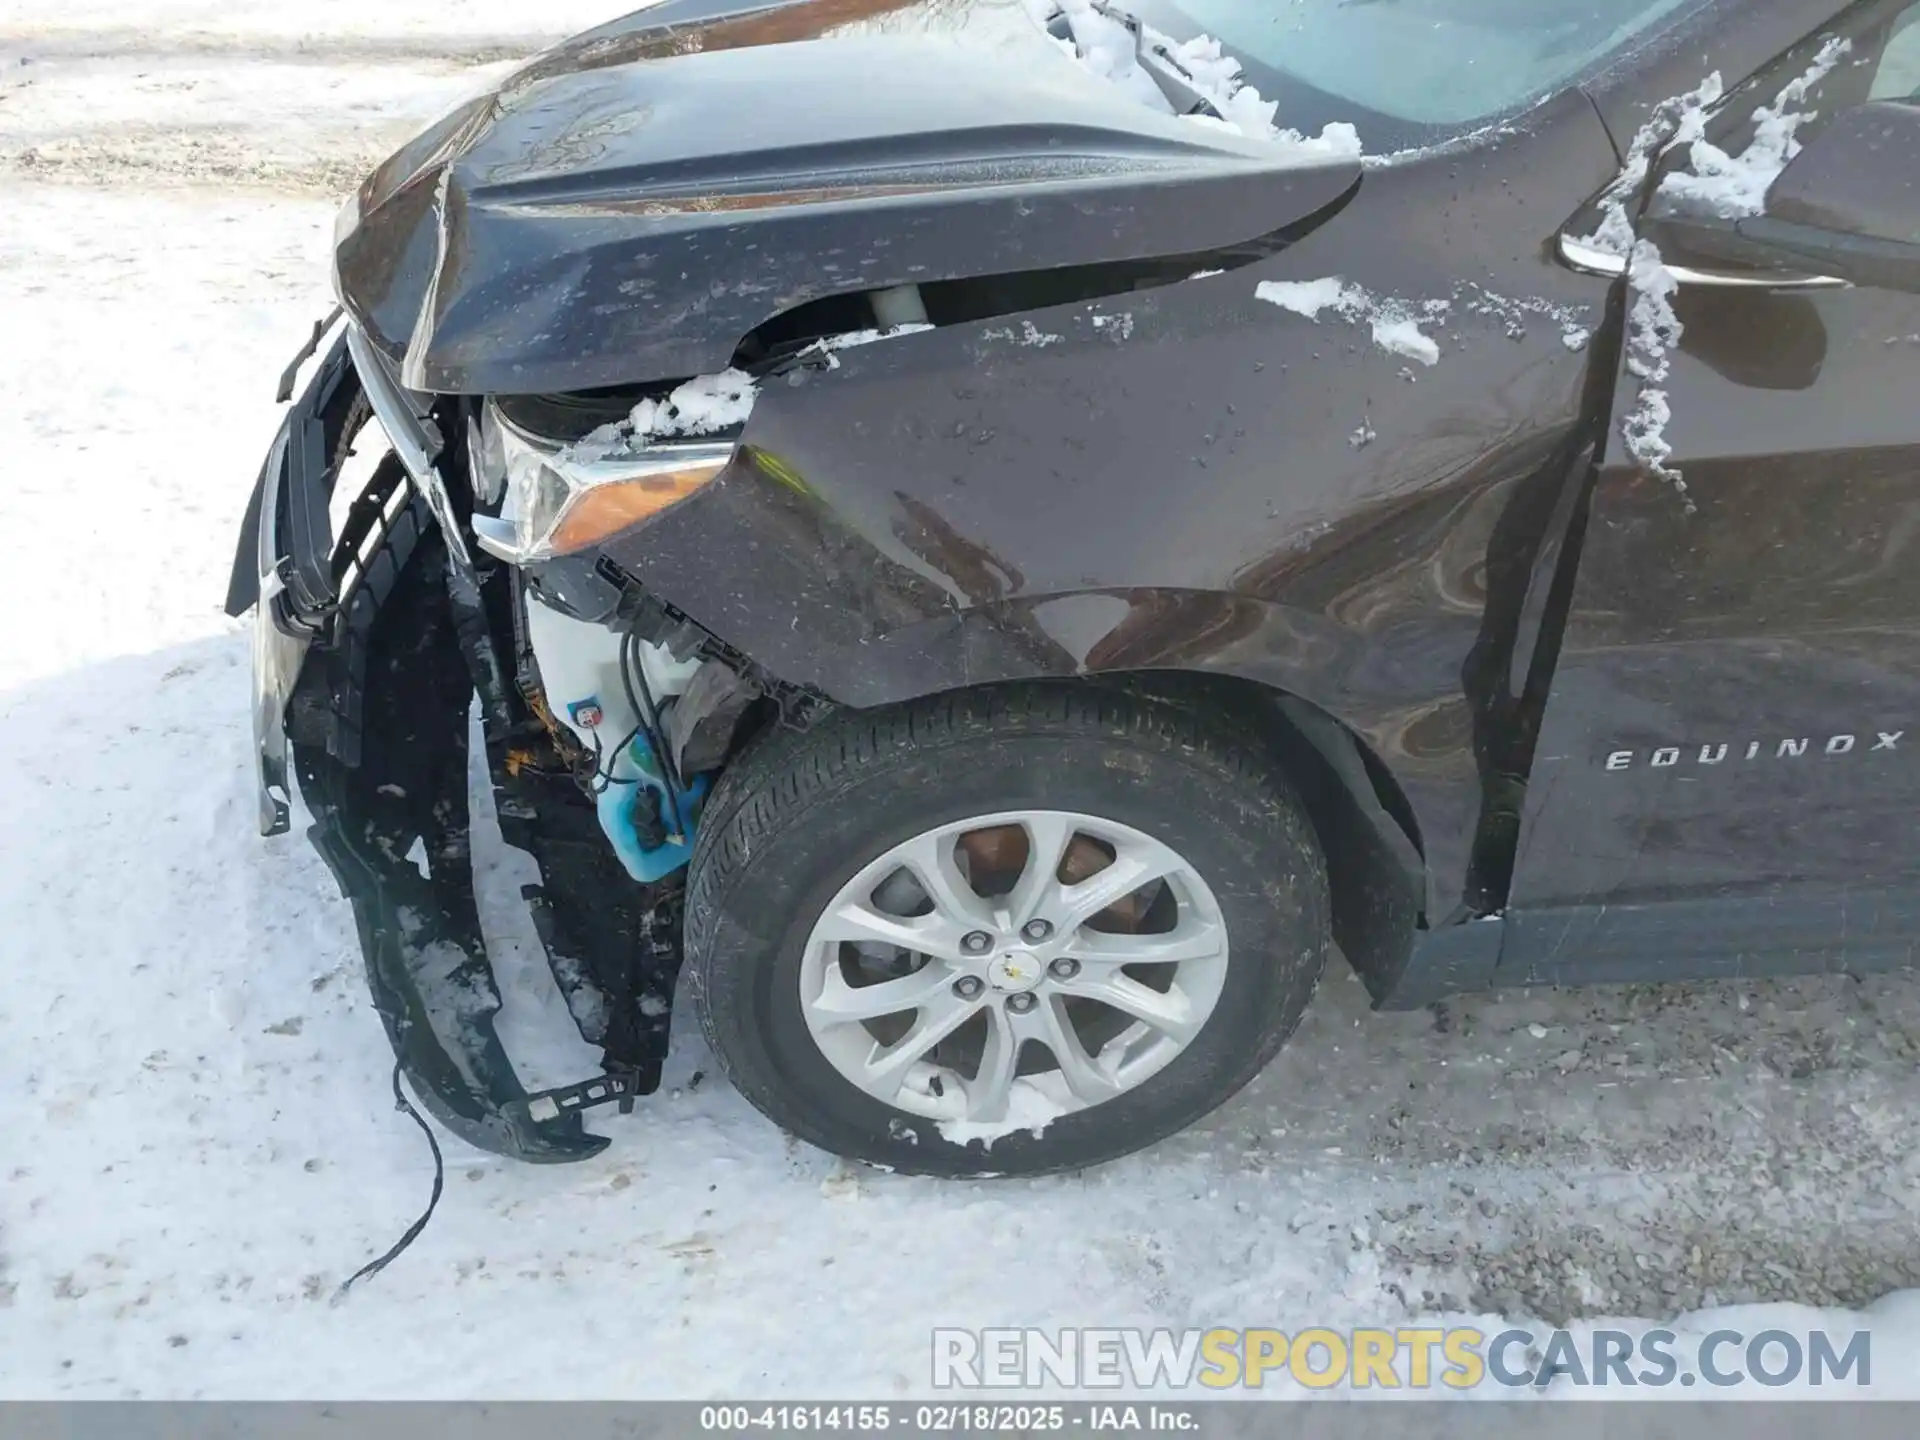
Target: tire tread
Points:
(771, 788)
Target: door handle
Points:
(1591, 260)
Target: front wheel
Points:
(1010, 931)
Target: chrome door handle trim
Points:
(1591, 260)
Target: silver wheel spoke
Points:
(1037, 891)
(988, 1091)
(1083, 1074)
(1196, 941)
(859, 922)
(1170, 1012)
(1128, 872)
(930, 858)
(887, 1065)
(840, 1002)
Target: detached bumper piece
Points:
(369, 648)
(426, 957)
(615, 1087)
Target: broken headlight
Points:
(560, 498)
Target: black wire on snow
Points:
(374, 1267)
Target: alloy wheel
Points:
(1042, 950)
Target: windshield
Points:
(1440, 65)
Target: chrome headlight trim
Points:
(541, 481)
(403, 415)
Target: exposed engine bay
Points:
(601, 746)
(607, 715)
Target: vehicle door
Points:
(1728, 773)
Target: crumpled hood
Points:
(630, 204)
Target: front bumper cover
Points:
(380, 693)
(282, 564)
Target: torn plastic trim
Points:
(395, 670)
(283, 568)
(416, 439)
(372, 702)
(463, 1077)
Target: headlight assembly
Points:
(561, 499)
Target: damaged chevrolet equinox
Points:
(980, 541)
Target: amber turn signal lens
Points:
(606, 509)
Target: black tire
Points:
(797, 815)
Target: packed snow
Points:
(1731, 186)
(1394, 324)
(702, 406)
(1713, 182)
(1034, 1103)
(200, 1141)
(1653, 330)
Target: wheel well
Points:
(1375, 865)
(1375, 862)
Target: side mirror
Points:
(1849, 202)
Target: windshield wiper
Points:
(1173, 80)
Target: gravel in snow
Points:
(193, 1083)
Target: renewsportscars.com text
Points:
(1400, 1358)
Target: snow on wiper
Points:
(1194, 79)
(1677, 120)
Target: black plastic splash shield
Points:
(420, 933)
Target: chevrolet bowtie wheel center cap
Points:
(1013, 971)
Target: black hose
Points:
(632, 672)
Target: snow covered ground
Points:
(197, 1142)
